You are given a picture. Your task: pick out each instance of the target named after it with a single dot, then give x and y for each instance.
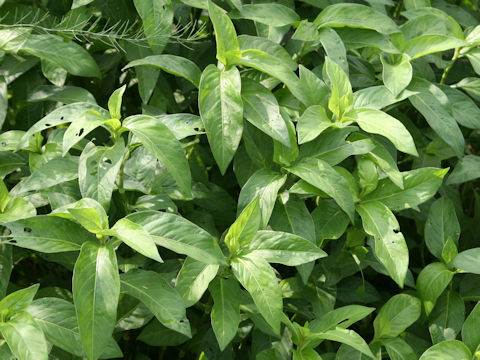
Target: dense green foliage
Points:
(245, 179)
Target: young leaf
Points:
(323, 176)
(136, 237)
(226, 309)
(341, 97)
(115, 103)
(398, 75)
(19, 300)
(399, 312)
(24, 338)
(221, 109)
(160, 141)
(159, 297)
(96, 288)
(228, 48)
(431, 282)
(390, 246)
(243, 230)
(258, 277)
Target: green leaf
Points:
(377, 122)
(53, 172)
(6, 259)
(263, 184)
(115, 103)
(341, 97)
(96, 288)
(367, 175)
(468, 260)
(98, 169)
(465, 170)
(193, 280)
(342, 317)
(87, 212)
(182, 125)
(226, 309)
(228, 48)
(24, 338)
(470, 331)
(314, 91)
(378, 97)
(3, 100)
(447, 350)
(285, 155)
(157, 19)
(333, 45)
(348, 337)
(390, 246)
(48, 234)
(330, 221)
(11, 40)
(243, 230)
(356, 16)
(447, 317)
(159, 297)
(68, 55)
(81, 127)
(136, 237)
(441, 227)
(398, 313)
(258, 278)
(419, 186)
(18, 300)
(433, 104)
(312, 123)
(398, 75)
(17, 209)
(160, 141)
(284, 248)
(398, 349)
(464, 109)
(429, 44)
(321, 175)
(269, 14)
(431, 282)
(261, 110)
(64, 94)
(221, 109)
(172, 64)
(180, 235)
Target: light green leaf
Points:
(136, 237)
(12, 39)
(193, 279)
(431, 282)
(441, 226)
(228, 48)
(17, 209)
(284, 248)
(377, 122)
(160, 141)
(64, 94)
(265, 184)
(398, 75)
(48, 234)
(321, 175)
(312, 123)
(81, 127)
(182, 125)
(157, 19)
(468, 260)
(356, 16)
(367, 175)
(398, 349)
(180, 235)
(19, 300)
(115, 103)
(343, 317)
(470, 331)
(261, 110)
(242, 231)
(98, 169)
(96, 289)
(24, 338)
(341, 97)
(172, 64)
(68, 55)
(433, 104)
(221, 109)
(378, 97)
(314, 90)
(226, 309)
(447, 350)
(419, 186)
(466, 169)
(159, 297)
(333, 45)
(258, 278)
(269, 13)
(87, 212)
(390, 246)
(429, 44)
(399, 312)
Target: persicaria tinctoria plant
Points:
(239, 179)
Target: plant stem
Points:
(447, 69)
(121, 190)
